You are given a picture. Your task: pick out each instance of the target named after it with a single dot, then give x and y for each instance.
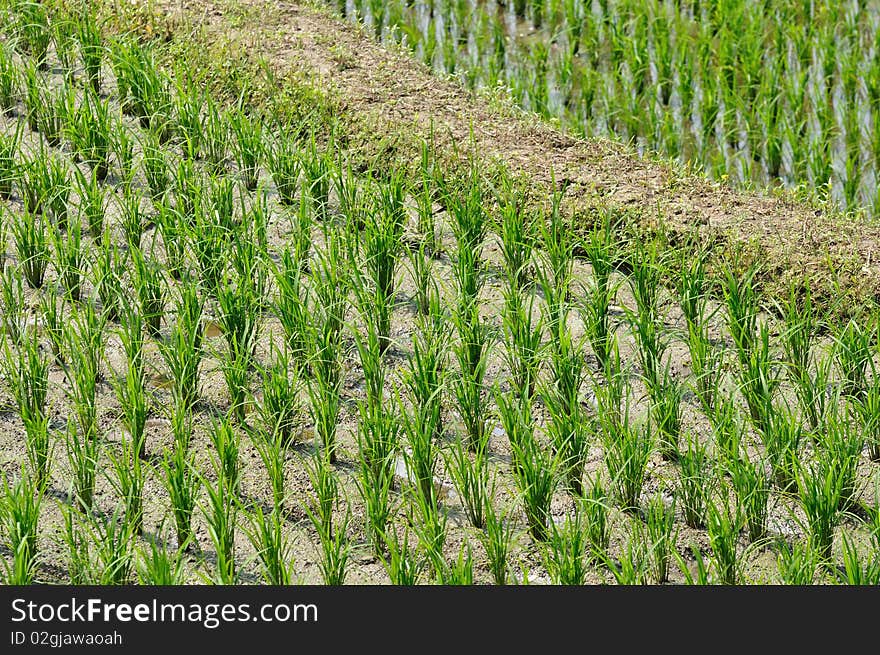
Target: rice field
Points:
(231, 357)
(782, 94)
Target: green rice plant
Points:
(156, 167)
(92, 195)
(516, 241)
(626, 457)
(31, 245)
(215, 135)
(374, 484)
(34, 90)
(123, 148)
(128, 481)
(272, 448)
(183, 349)
(247, 146)
(752, 486)
(149, 284)
(35, 182)
(10, 80)
(132, 220)
(157, 566)
(498, 542)
(759, 378)
(426, 373)
(112, 542)
(84, 340)
(422, 271)
(472, 351)
(170, 226)
(707, 361)
(535, 475)
(662, 535)
(20, 505)
(782, 440)
(701, 575)
(858, 571)
(430, 524)
(265, 533)
(91, 48)
(91, 133)
(335, 546)
(470, 475)
(234, 364)
(555, 273)
(820, 492)
(741, 304)
(32, 27)
(188, 101)
(182, 482)
(694, 481)
(868, 411)
(515, 414)
(188, 189)
(523, 334)
(130, 389)
(27, 375)
(107, 273)
(842, 444)
(595, 506)
(280, 402)
(853, 350)
(239, 317)
(221, 517)
(797, 563)
(53, 110)
(631, 568)
(402, 564)
(144, 91)
(12, 297)
(461, 570)
(69, 258)
(9, 169)
(317, 168)
(52, 312)
(58, 191)
(422, 455)
(601, 250)
(225, 457)
(285, 168)
(330, 283)
(425, 197)
(565, 554)
(209, 242)
(645, 283)
(723, 524)
(666, 412)
(568, 428)
(83, 451)
(291, 307)
(325, 387)
(693, 291)
(801, 325)
(79, 565)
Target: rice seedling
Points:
(470, 475)
(291, 307)
(157, 566)
(626, 457)
(91, 48)
(701, 575)
(759, 379)
(27, 375)
(83, 451)
(221, 517)
(554, 275)
(9, 170)
(325, 388)
(187, 187)
(820, 491)
(842, 444)
(516, 241)
(33, 98)
(53, 110)
(128, 480)
(215, 135)
(600, 294)
(29, 232)
(723, 524)
(752, 486)
(69, 259)
(374, 483)
(461, 570)
(335, 546)
(112, 543)
(239, 321)
(247, 146)
(32, 28)
(107, 273)
(92, 211)
(20, 505)
(402, 564)
(782, 440)
(91, 133)
(431, 525)
(523, 335)
(79, 565)
(694, 481)
(661, 534)
(796, 563)
(265, 533)
(631, 568)
(183, 349)
(565, 554)
(12, 298)
(498, 542)
(182, 482)
(149, 285)
(535, 474)
(868, 411)
(280, 400)
(285, 168)
(84, 340)
(156, 168)
(52, 313)
(10, 80)
(853, 350)
(652, 344)
(225, 459)
(317, 168)
(472, 352)
(856, 570)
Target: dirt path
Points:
(387, 95)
